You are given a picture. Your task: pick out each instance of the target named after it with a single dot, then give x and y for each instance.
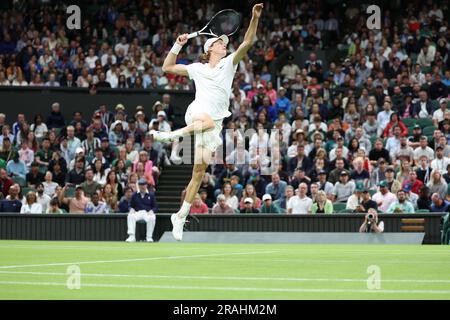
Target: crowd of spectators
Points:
(370, 131)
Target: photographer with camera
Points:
(371, 223)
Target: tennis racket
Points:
(225, 22)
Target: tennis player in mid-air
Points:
(204, 116)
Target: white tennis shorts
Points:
(210, 139)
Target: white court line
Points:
(135, 259)
(310, 250)
(192, 277)
(315, 261)
(299, 290)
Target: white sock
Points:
(184, 211)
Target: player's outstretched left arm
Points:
(249, 35)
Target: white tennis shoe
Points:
(161, 136)
(131, 239)
(177, 224)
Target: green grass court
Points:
(111, 270)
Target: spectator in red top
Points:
(198, 206)
(395, 120)
(5, 183)
(415, 183)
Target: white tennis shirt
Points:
(213, 87)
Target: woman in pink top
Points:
(198, 206)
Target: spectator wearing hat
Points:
(141, 122)
(438, 115)
(91, 143)
(160, 123)
(402, 205)
(116, 134)
(248, 206)
(268, 206)
(143, 207)
(414, 140)
(106, 116)
(440, 163)
(221, 207)
(384, 198)
(300, 203)
(357, 197)
(334, 175)
(108, 152)
(344, 188)
(257, 96)
(324, 184)
(393, 184)
(76, 204)
(134, 131)
(410, 196)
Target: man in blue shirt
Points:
(439, 204)
(16, 167)
(282, 104)
(142, 208)
(13, 204)
(277, 187)
(271, 112)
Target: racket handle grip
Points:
(192, 35)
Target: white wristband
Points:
(176, 48)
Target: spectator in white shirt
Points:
(300, 203)
(393, 143)
(384, 117)
(31, 205)
(49, 185)
(42, 198)
(423, 150)
(438, 115)
(440, 163)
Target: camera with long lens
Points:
(370, 216)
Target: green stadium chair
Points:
(410, 131)
(21, 181)
(426, 122)
(422, 211)
(346, 211)
(428, 131)
(25, 190)
(435, 104)
(409, 122)
(372, 192)
(339, 206)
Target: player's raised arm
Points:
(169, 65)
(249, 35)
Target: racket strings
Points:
(225, 23)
